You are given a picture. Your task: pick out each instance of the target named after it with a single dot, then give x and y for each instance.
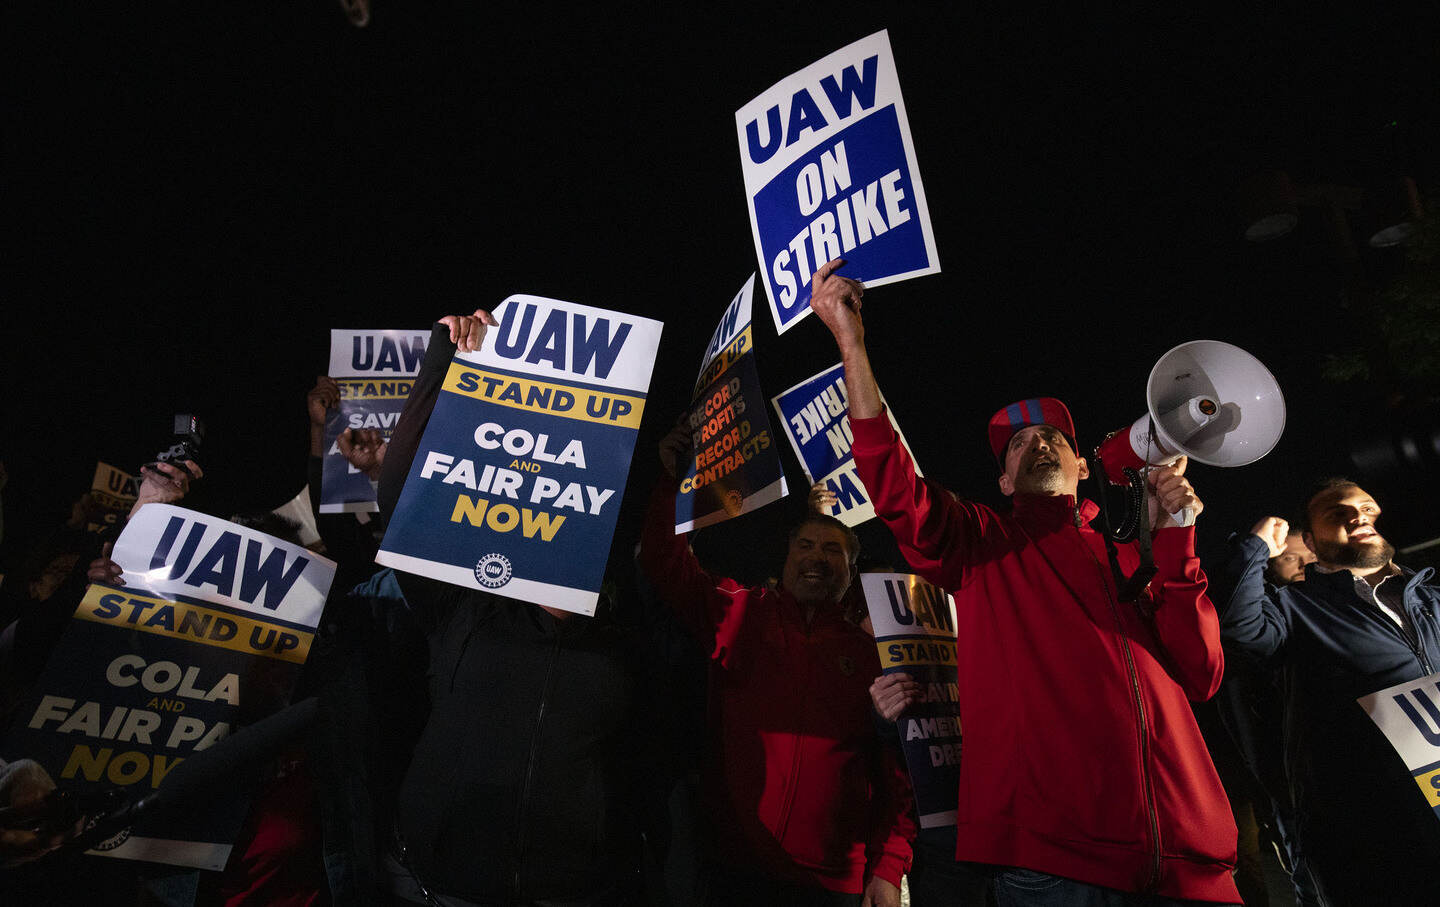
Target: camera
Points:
(186, 437)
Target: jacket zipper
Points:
(1418, 648)
(1416, 644)
(784, 824)
(1145, 782)
(520, 836)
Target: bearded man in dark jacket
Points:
(1358, 624)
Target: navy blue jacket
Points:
(1363, 825)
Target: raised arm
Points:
(463, 333)
(837, 301)
(938, 535)
(451, 333)
(1185, 618)
(1252, 620)
(702, 601)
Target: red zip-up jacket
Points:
(797, 783)
(1081, 756)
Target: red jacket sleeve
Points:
(705, 603)
(1184, 617)
(939, 535)
(888, 852)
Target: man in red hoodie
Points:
(1084, 779)
(806, 806)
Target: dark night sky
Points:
(197, 193)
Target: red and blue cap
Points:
(1024, 413)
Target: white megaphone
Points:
(1207, 400)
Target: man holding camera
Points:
(1084, 778)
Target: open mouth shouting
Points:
(1043, 462)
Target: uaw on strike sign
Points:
(830, 172)
(209, 632)
(816, 416)
(518, 478)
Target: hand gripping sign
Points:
(816, 416)
(518, 478)
(914, 626)
(374, 370)
(736, 466)
(1408, 714)
(830, 171)
(209, 632)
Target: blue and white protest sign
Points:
(830, 172)
(1408, 714)
(374, 370)
(209, 632)
(914, 625)
(518, 478)
(736, 466)
(816, 417)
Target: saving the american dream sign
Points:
(374, 370)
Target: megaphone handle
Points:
(1186, 516)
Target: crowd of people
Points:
(703, 741)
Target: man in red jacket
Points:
(806, 806)
(1084, 779)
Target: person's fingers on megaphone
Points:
(1171, 493)
(1272, 531)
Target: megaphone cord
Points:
(1109, 533)
(1129, 589)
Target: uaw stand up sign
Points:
(209, 632)
(112, 492)
(374, 370)
(914, 626)
(830, 172)
(518, 478)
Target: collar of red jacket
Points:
(1054, 509)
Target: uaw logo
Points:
(493, 571)
(113, 841)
